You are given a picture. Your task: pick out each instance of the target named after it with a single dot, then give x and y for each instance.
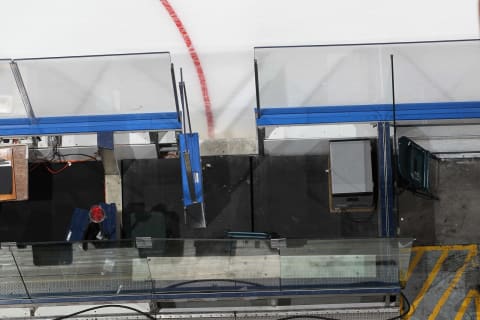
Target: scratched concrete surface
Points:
(451, 220)
(454, 218)
(443, 283)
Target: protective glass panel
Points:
(344, 264)
(117, 268)
(99, 85)
(11, 105)
(213, 265)
(323, 76)
(437, 72)
(11, 285)
(71, 269)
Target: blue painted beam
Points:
(317, 115)
(280, 116)
(85, 124)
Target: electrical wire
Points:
(179, 284)
(399, 317)
(71, 315)
(307, 317)
(56, 156)
(405, 300)
(52, 171)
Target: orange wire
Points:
(59, 170)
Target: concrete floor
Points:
(455, 217)
(443, 281)
(451, 220)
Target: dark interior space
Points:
(288, 198)
(282, 195)
(291, 199)
(52, 199)
(152, 192)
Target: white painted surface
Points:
(329, 266)
(351, 167)
(9, 313)
(210, 268)
(224, 34)
(327, 131)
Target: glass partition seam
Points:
(175, 92)
(23, 91)
(152, 281)
(257, 87)
(20, 273)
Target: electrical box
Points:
(351, 177)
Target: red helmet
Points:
(97, 214)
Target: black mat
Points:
(152, 192)
(291, 199)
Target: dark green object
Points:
(414, 166)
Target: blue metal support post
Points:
(387, 221)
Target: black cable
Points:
(78, 154)
(406, 311)
(257, 89)
(187, 108)
(175, 93)
(395, 149)
(71, 315)
(307, 317)
(182, 101)
(179, 284)
(327, 318)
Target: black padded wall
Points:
(291, 198)
(152, 191)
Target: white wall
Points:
(224, 33)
